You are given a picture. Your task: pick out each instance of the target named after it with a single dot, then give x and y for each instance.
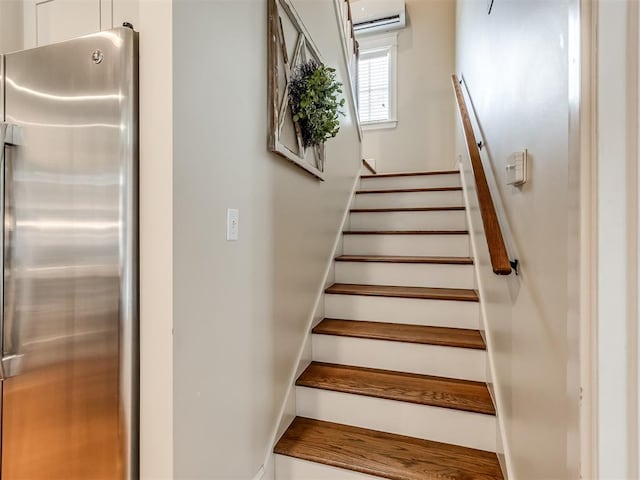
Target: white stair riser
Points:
(473, 430)
(408, 200)
(412, 181)
(405, 274)
(435, 220)
(438, 313)
(441, 361)
(409, 245)
(288, 468)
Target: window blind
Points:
(374, 85)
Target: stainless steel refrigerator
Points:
(69, 317)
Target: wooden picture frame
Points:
(289, 46)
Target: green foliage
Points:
(314, 95)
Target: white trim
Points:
(380, 125)
(156, 241)
(501, 434)
(632, 231)
(583, 137)
(616, 117)
(387, 41)
(351, 74)
(636, 304)
(307, 339)
(633, 236)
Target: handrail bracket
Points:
(515, 265)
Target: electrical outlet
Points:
(233, 224)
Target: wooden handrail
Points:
(497, 248)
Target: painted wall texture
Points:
(11, 25)
(424, 136)
(515, 62)
(241, 308)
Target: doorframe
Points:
(587, 173)
(609, 132)
(582, 242)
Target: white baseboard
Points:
(503, 450)
(288, 406)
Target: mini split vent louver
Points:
(371, 16)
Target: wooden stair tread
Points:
(411, 174)
(399, 386)
(426, 335)
(411, 190)
(425, 293)
(385, 455)
(406, 232)
(405, 259)
(406, 209)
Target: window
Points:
(373, 74)
(376, 81)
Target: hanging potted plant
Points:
(316, 103)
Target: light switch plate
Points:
(233, 224)
(517, 168)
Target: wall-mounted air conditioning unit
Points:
(370, 16)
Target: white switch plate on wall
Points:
(233, 224)
(517, 168)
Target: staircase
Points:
(397, 387)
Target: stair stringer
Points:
(287, 410)
(476, 230)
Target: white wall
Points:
(516, 64)
(423, 138)
(152, 18)
(241, 308)
(617, 231)
(10, 25)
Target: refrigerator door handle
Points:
(10, 135)
(11, 366)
